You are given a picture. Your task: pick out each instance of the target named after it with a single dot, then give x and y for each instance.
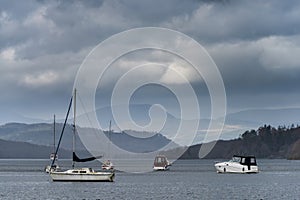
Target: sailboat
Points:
(53, 156)
(85, 174)
(108, 165)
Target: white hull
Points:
(231, 167)
(48, 168)
(107, 165)
(160, 168)
(69, 175)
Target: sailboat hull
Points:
(80, 176)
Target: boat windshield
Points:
(235, 159)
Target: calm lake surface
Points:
(187, 179)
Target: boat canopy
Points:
(245, 160)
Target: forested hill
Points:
(265, 142)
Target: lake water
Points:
(187, 179)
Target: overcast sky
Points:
(255, 44)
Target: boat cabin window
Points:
(74, 171)
(243, 160)
(248, 161)
(160, 160)
(236, 159)
(82, 172)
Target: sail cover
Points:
(77, 159)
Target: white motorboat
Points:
(107, 165)
(161, 163)
(238, 164)
(78, 174)
(54, 168)
(82, 175)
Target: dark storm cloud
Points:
(42, 43)
(264, 66)
(240, 20)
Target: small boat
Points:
(238, 164)
(54, 168)
(161, 163)
(78, 174)
(107, 165)
(53, 156)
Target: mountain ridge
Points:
(265, 142)
(42, 134)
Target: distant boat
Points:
(48, 168)
(161, 163)
(238, 164)
(79, 174)
(53, 156)
(108, 165)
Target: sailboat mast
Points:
(109, 126)
(62, 131)
(109, 137)
(74, 125)
(54, 134)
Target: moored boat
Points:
(107, 165)
(238, 164)
(48, 168)
(78, 174)
(82, 175)
(161, 163)
(53, 156)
